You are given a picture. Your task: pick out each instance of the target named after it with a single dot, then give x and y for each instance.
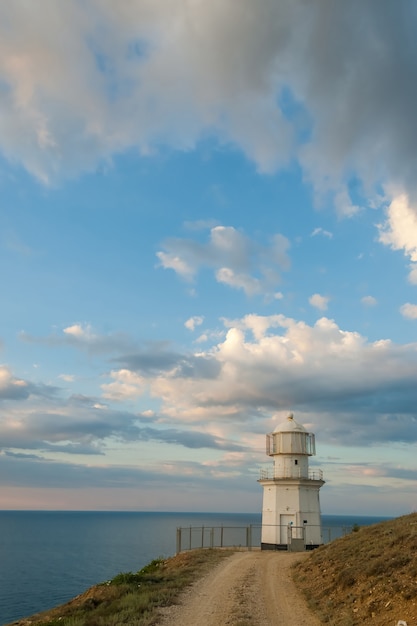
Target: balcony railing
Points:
(269, 474)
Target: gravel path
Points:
(248, 589)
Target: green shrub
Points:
(126, 578)
(153, 566)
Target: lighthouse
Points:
(291, 517)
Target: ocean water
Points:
(48, 557)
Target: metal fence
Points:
(193, 537)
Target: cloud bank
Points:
(266, 364)
(332, 86)
(223, 397)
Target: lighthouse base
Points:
(274, 546)
(294, 546)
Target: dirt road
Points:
(247, 589)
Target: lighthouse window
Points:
(296, 461)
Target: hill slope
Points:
(367, 577)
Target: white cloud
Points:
(127, 385)
(68, 378)
(231, 246)
(400, 229)
(10, 386)
(84, 81)
(193, 322)
(412, 277)
(409, 311)
(174, 262)
(323, 232)
(343, 203)
(273, 363)
(319, 302)
(248, 284)
(369, 301)
(237, 260)
(80, 331)
(257, 324)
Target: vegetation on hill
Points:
(367, 577)
(133, 599)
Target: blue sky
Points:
(208, 218)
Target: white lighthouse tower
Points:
(291, 505)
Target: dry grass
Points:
(367, 577)
(132, 599)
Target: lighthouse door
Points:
(285, 521)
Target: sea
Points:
(49, 557)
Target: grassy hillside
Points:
(367, 577)
(133, 599)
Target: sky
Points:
(208, 218)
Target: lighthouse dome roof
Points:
(290, 426)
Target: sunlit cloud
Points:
(369, 301)
(193, 322)
(68, 378)
(319, 302)
(409, 311)
(399, 231)
(126, 385)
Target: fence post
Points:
(202, 536)
(212, 537)
(178, 540)
(221, 536)
(250, 537)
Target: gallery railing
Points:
(269, 474)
